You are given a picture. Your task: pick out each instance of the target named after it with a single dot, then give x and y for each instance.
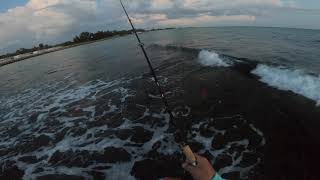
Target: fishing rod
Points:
(184, 147)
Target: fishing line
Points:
(185, 148)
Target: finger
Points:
(198, 157)
(187, 167)
(184, 165)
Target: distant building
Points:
(17, 57)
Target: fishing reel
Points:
(182, 122)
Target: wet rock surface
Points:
(9, 171)
(141, 135)
(60, 177)
(119, 129)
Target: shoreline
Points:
(11, 60)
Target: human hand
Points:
(203, 170)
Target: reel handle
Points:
(190, 157)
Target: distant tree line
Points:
(81, 38)
(24, 50)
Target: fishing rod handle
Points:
(190, 157)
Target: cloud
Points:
(52, 21)
(201, 20)
(44, 20)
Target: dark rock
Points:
(102, 167)
(113, 121)
(231, 175)
(153, 153)
(218, 142)
(97, 175)
(152, 121)
(4, 151)
(34, 143)
(235, 134)
(123, 134)
(132, 111)
(222, 161)
(254, 141)
(14, 131)
(28, 159)
(196, 146)
(155, 169)
(71, 158)
(156, 145)
(101, 107)
(60, 135)
(133, 145)
(42, 140)
(226, 123)
(54, 109)
(107, 133)
(114, 155)
(237, 149)
(60, 177)
(9, 171)
(206, 131)
(77, 131)
(249, 159)
(75, 112)
(38, 170)
(34, 117)
(141, 135)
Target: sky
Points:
(26, 23)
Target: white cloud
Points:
(161, 4)
(201, 20)
(52, 21)
(43, 20)
(227, 4)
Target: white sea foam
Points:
(87, 97)
(296, 81)
(210, 58)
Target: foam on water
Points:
(63, 109)
(210, 58)
(296, 81)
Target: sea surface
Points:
(93, 112)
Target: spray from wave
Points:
(209, 58)
(290, 80)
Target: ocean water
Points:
(61, 112)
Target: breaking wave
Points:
(296, 81)
(210, 58)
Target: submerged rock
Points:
(152, 121)
(218, 142)
(141, 135)
(222, 161)
(71, 158)
(249, 159)
(9, 171)
(166, 166)
(29, 159)
(114, 155)
(206, 131)
(231, 175)
(34, 143)
(60, 177)
(97, 175)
